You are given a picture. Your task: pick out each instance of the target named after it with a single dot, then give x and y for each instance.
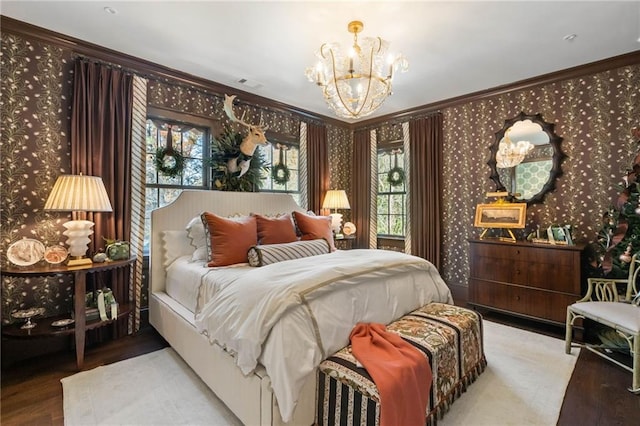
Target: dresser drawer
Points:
(496, 251)
(521, 300)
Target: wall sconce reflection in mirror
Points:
(525, 158)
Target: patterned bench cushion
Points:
(450, 336)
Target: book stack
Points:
(92, 314)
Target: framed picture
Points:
(559, 235)
(504, 215)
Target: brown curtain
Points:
(361, 191)
(101, 146)
(425, 187)
(317, 166)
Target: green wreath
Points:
(395, 176)
(280, 173)
(163, 162)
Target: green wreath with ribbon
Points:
(168, 161)
(280, 172)
(395, 176)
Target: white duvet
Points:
(291, 315)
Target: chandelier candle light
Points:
(511, 154)
(78, 193)
(356, 82)
(336, 199)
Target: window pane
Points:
(168, 195)
(391, 198)
(396, 225)
(396, 203)
(383, 204)
(383, 225)
(193, 173)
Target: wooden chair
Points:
(608, 303)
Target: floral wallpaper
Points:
(594, 115)
(35, 115)
(340, 142)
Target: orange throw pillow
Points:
(275, 230)
(229, 239)
(314, 227)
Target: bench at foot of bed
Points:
(453, 341)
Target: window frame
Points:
(387, 147)
(210, 126)
(290, 141)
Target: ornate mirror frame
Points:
(556, 159)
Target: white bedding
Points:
(290, 315)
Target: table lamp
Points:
(78, 193)
(336, 199)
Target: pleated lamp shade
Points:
(78, 193)
(336, 199)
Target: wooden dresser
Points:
(535, 281)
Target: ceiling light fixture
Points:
(355, 82)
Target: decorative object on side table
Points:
(63, 323)
(27, 314)
(117, 250)
(25, 252)
(55, 255)
(349, 229)
(78, 193)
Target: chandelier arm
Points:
(335, 84)
(369, 79)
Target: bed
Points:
(267, 386)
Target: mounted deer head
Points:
(254, 137)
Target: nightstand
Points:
(345, 242)
(80, 327)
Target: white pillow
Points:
(198, 238)
(174, 244)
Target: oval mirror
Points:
(525, 158)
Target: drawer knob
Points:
(517, 251)
(517, 297)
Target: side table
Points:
(80, 327)
(345, 242)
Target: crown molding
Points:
(150, 69)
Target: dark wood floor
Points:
(32, 392)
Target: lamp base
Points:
(81, 261)
(78, 233)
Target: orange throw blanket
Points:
(401, 373)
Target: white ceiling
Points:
(453, 48)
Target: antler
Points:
(228, 109)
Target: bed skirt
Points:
(450, 336)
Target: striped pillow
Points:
(273, 253)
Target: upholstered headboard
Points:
(191, 203)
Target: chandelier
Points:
(355, 82)
(511, 154)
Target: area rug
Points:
(524, 384)
(152, 389)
